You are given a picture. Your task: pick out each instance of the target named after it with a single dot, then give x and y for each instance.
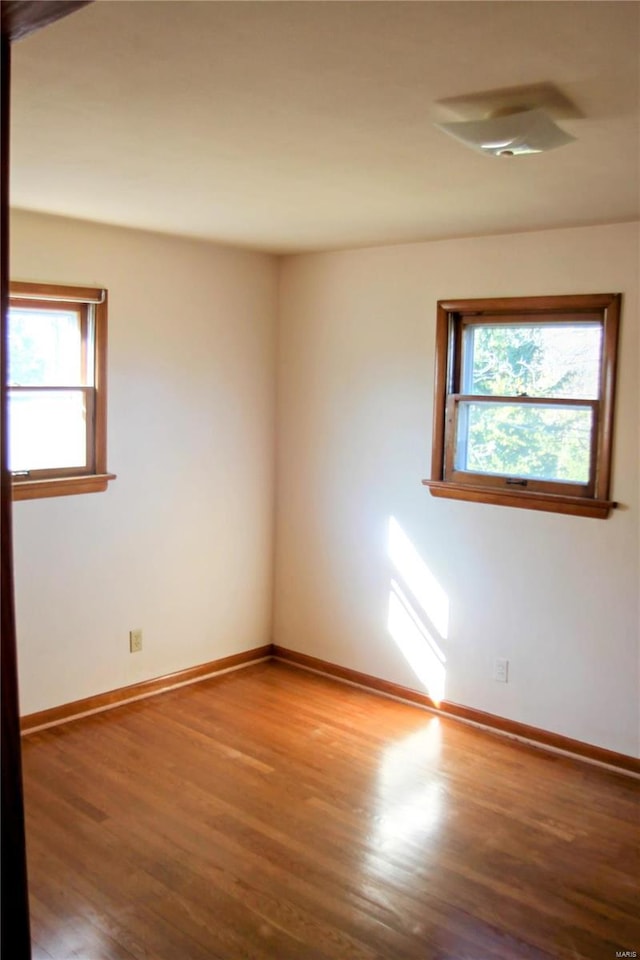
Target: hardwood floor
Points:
(277, 815)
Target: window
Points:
(523, 408)
(57, 403)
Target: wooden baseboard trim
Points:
(147, 688)
(139, 691)
(489, 721)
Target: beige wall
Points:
(555, 595)
(181, 545)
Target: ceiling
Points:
(292, 126)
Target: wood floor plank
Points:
(274, 814)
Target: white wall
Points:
(181, 545)
(555, 595)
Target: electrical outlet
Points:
(135, 641)
(501, 670)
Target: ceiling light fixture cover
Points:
(512, 135)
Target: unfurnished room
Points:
(320, 480)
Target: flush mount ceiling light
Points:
(513, 133)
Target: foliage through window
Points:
(523, 410)
(57, 341)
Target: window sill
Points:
(552, 503)
(60, 486)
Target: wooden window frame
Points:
(453, 316)
(94, 478)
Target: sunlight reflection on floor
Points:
(410, 795)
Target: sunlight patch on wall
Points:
(417, 645)
(418, 578)
(418, 617)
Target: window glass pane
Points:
(47, 429)
(45, 347)
(525, 440)
(543, 360)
